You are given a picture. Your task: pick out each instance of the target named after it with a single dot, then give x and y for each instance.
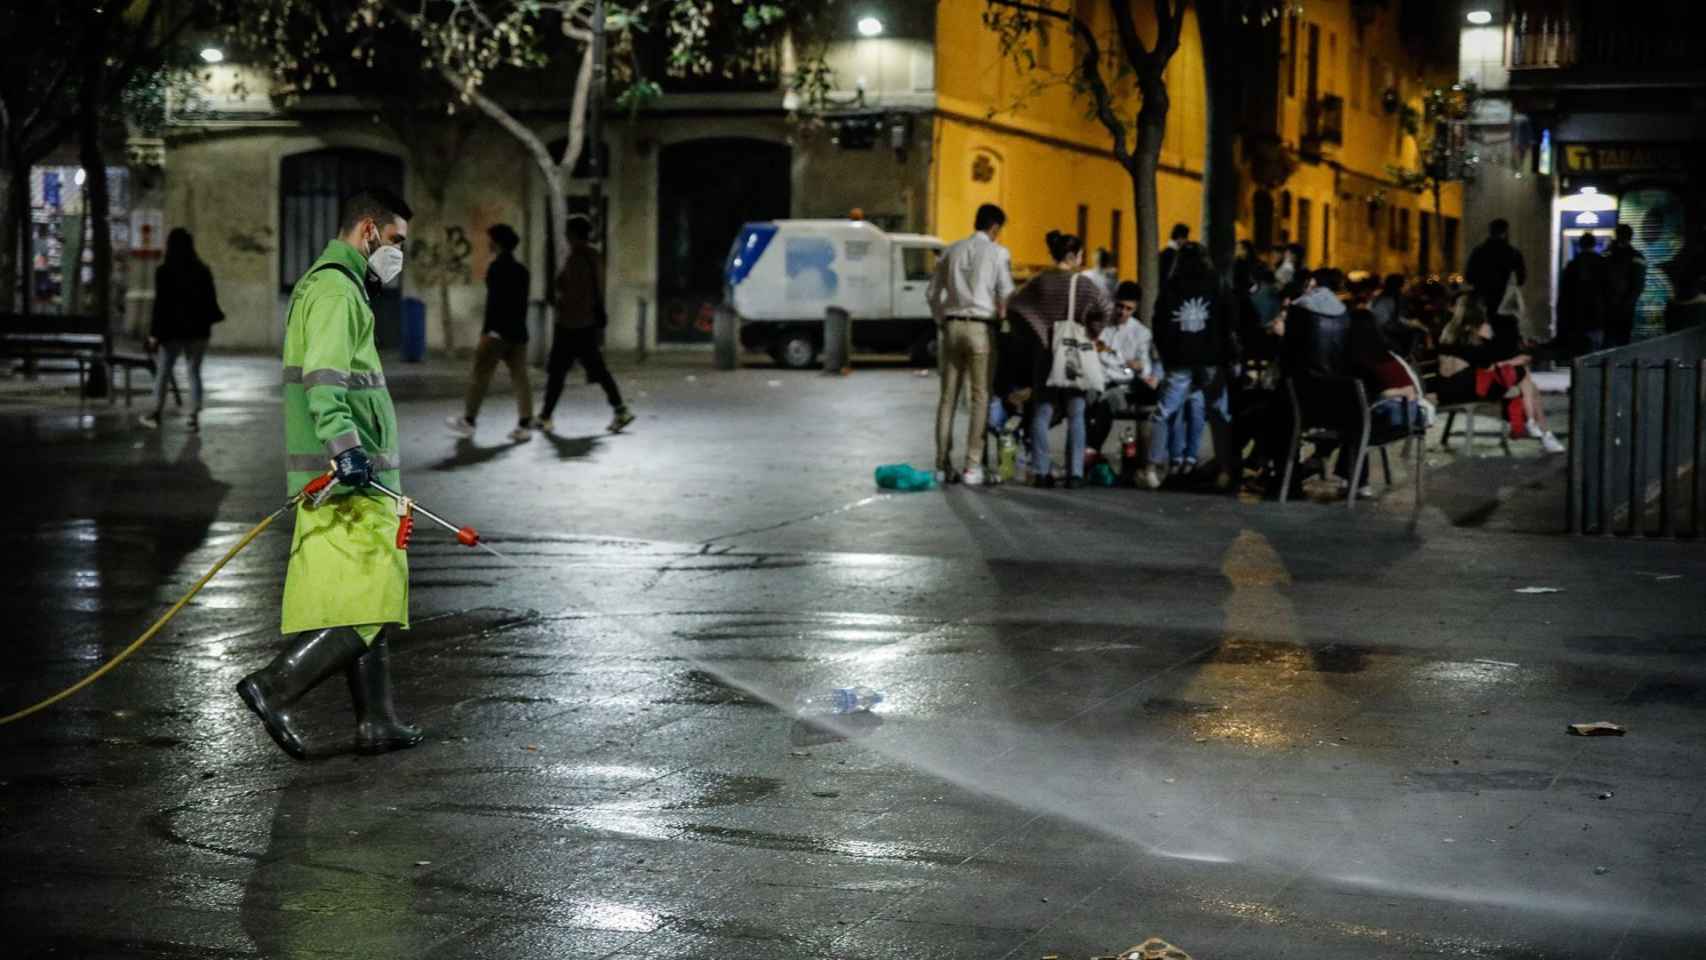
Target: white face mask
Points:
(386, 263)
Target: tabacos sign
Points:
(1586, 158)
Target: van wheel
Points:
(796, 351)
(924, 350)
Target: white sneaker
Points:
(1366, 493)
(1150, 478)
(941, 478)
(1550, 443)
(460, 425)
(521, 435)
(973, 477)
(620, 419)
(149, 421)
(1532, 430)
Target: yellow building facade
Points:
(1026, 140)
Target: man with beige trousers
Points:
(968, 296)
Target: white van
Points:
(781, 275)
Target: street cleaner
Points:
(347, 585)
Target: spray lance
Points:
(314, 492)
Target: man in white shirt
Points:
(968, 296)
(1126, 343)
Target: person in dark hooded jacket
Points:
(1195, 320)
(186, 307)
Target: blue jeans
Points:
(1184, 430)
(1042, 413)
(1181, 391)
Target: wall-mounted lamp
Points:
(870, 27)
(1480, 18)
(212, 55)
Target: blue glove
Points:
(353, 467)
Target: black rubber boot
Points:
(309, 659)
(377, 729)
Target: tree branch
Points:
(1091, 66)
(1136, 53)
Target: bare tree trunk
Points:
(20, 192)
(9, 236)
(557, 171)
(97, 204)
(1146, 160)
(1224, 57)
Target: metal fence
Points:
(1638, 439)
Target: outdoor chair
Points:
(1350, 390)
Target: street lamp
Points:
(870, 27)
(212, 55)
(1480, 18)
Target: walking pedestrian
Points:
(504, 337)
(186, 307)
(1582, 302)
(347, 584)
(1625, 278)
(581, 319)
(1194, 321)
(1493, 265)
(1055, 295)
(968, 297)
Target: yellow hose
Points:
(149, 635)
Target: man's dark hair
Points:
(989, 215)
(578, 229)
(1625, 233)
(1180, 232)
(1297, 251)
(1330, 278)
(1499, 227)
(504, 237)
(1129, 290)
(377, 203)
(1588, 243)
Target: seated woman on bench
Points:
(1475, 365)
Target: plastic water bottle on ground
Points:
(836, 701)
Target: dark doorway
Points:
(1262, 220)
(706, 190)
(1303, 227)
(311, 188)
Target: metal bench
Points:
(82, 339)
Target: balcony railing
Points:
(1325, 122)
(1656, 35)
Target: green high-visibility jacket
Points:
(345, 567)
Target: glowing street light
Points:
(870, 27)
(212, 55)
(1480, 18)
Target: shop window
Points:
(62, 265)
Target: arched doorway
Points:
(311, 188)
(706, 190)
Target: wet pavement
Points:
(1251, 730)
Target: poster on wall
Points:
(147, 233)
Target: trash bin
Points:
(414, 330)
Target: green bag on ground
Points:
(904, 476)
(1102, 475)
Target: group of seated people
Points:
(1224, 354)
